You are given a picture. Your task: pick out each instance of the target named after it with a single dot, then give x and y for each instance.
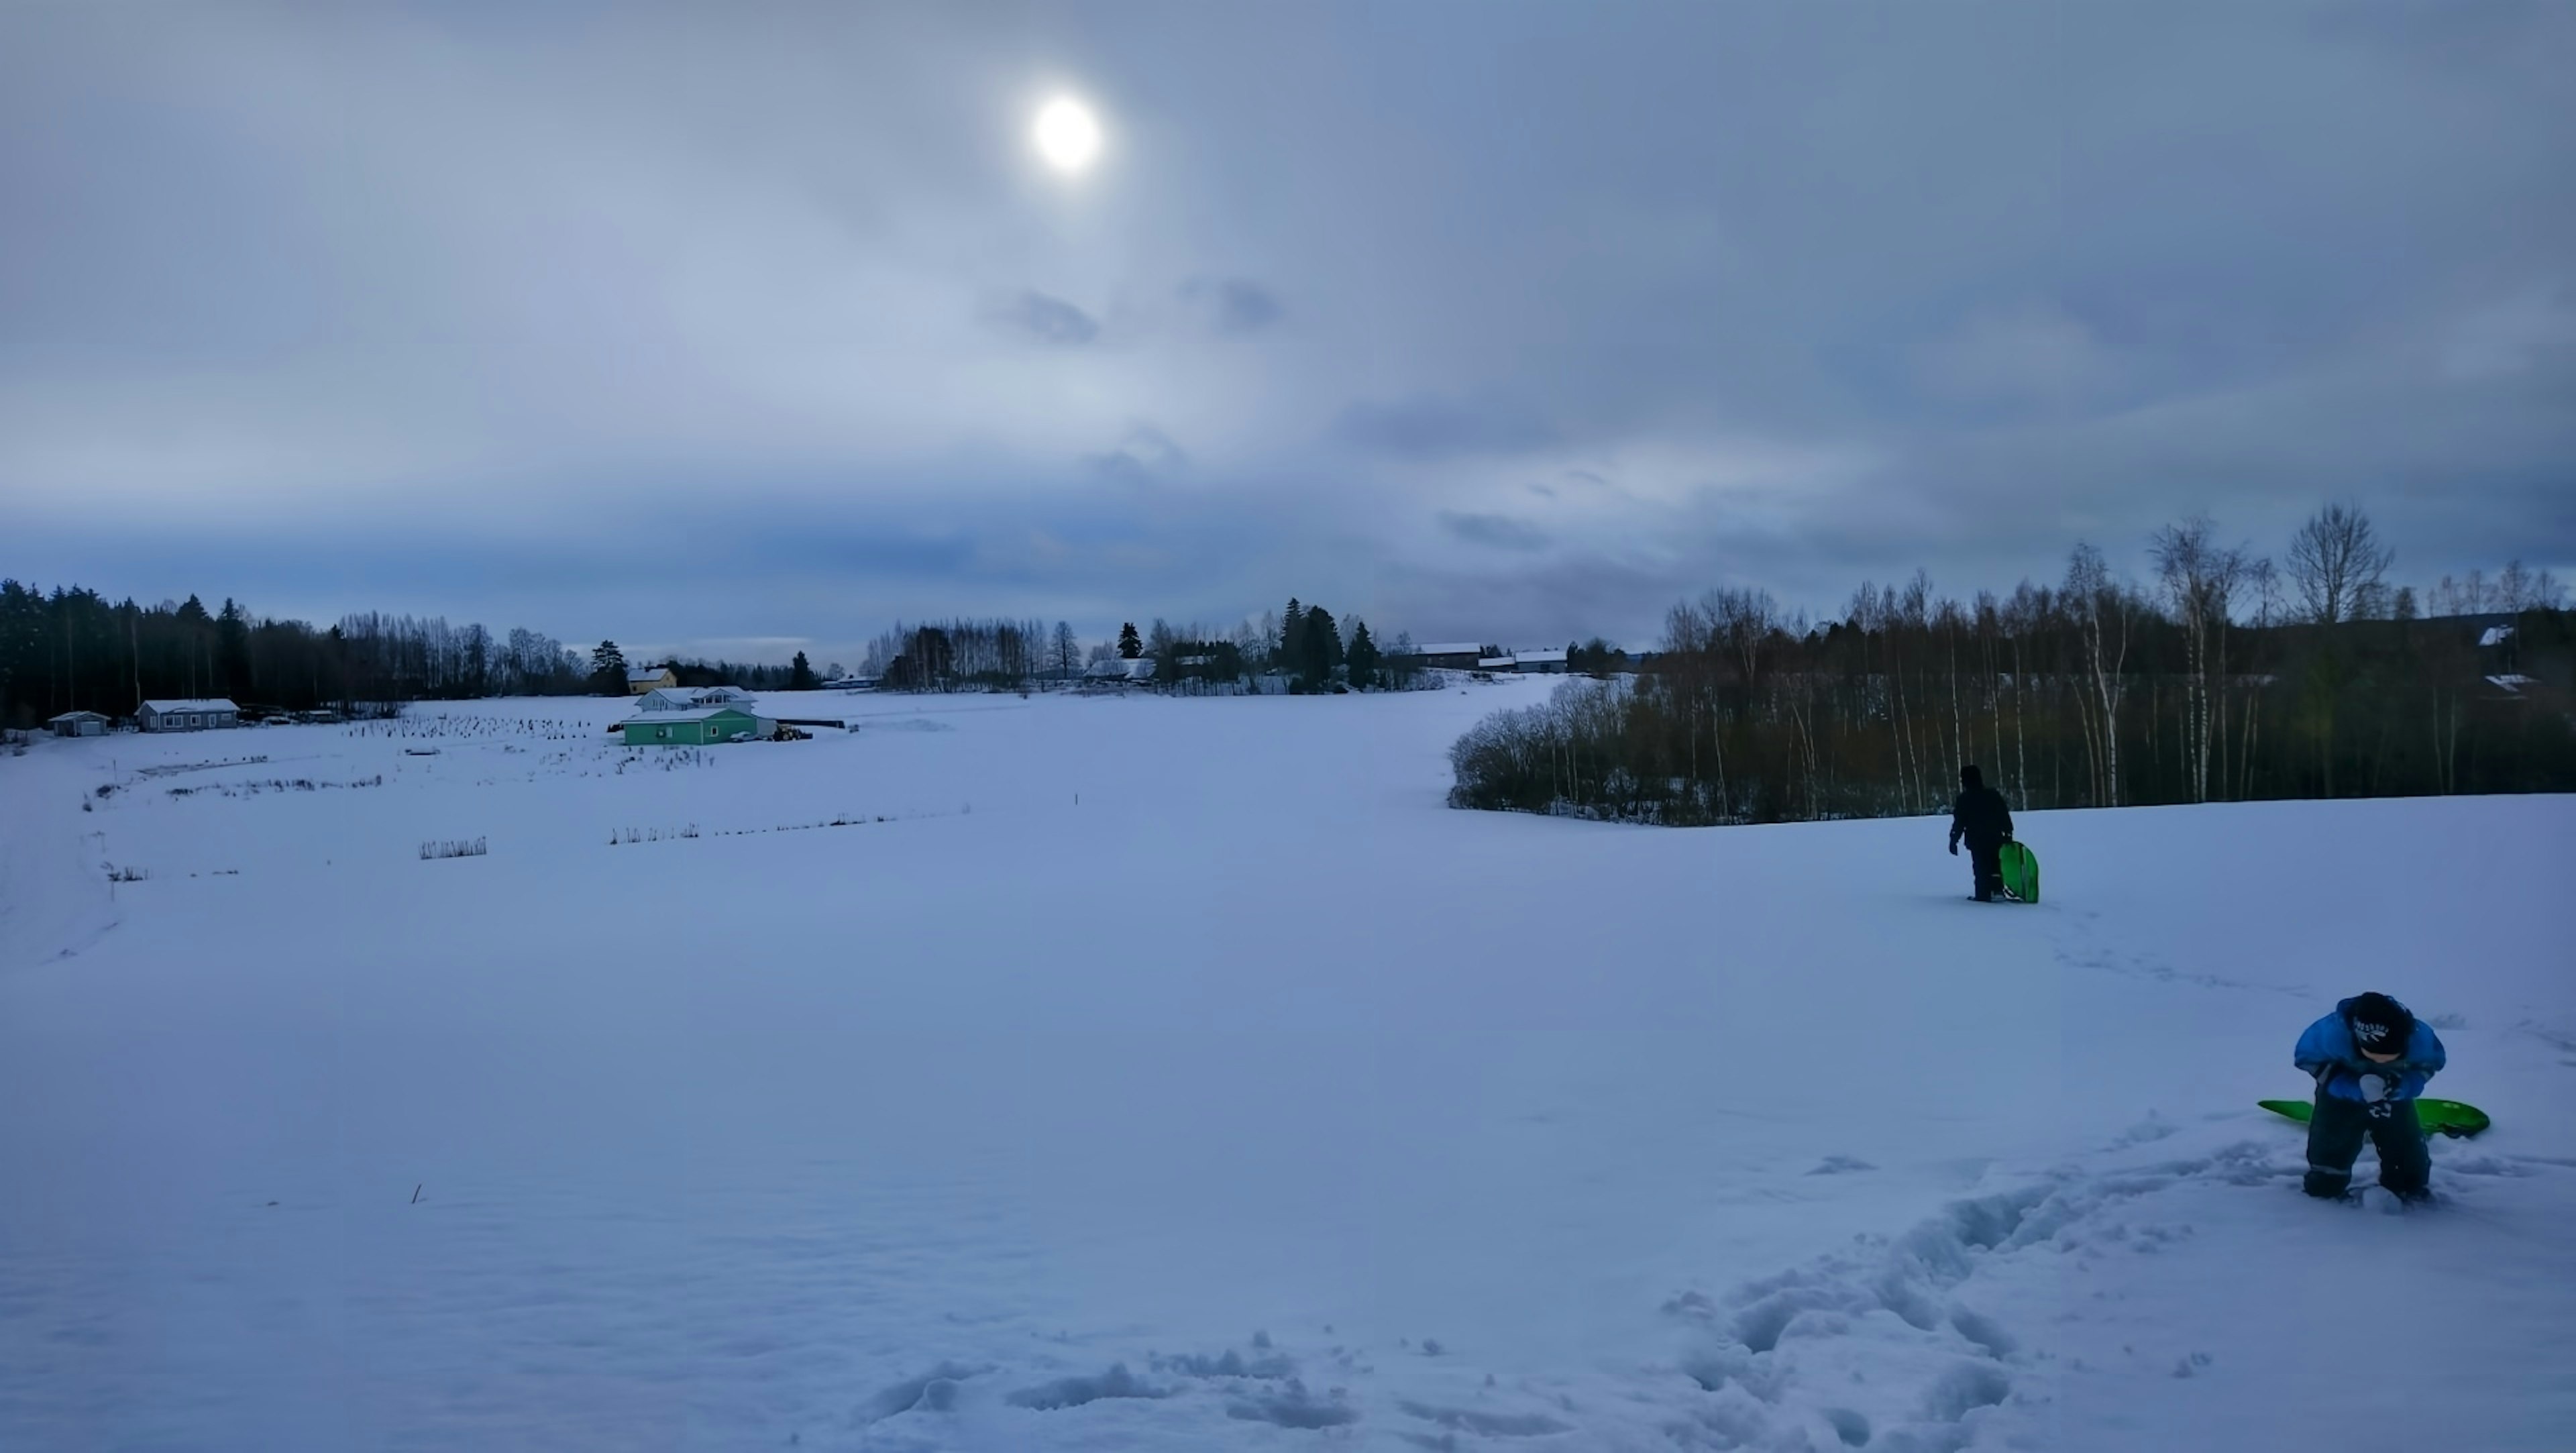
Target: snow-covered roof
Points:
(193, 703)
(75, 716)
(665, 698)
(1451, 648)
(2495, 635)
(700, 713)
(722, 693)
(647, 673)
(1540, 658)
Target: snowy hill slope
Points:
(1181, 1074)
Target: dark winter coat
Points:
(2327, 1052)
(1981, 818)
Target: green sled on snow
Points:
(2020, 867)
(2447, 1117)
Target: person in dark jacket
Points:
(1981, 817)
(2371, 1057)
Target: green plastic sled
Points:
(2447, 1117)
(2020, 868)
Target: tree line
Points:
(71, 649)
(1303, 649)
(2225, 678)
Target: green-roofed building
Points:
(704, 727)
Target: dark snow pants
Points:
(1988, 861)
(2335, 1134)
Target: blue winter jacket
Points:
(2327, 1052)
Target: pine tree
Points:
(1363, 655)
(608, 670)
(800, 676)
(1129, 646)
(1292, 638)
(1322, 648)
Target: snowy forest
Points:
(2228, 678)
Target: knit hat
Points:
(2379, 1024)
(1969, 776)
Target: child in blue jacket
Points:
(2371, 1057)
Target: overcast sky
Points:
(735, 328)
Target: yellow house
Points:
(640, 679)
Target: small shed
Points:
(194, 714)
(640, 679)
(703, 726)
(80, 724)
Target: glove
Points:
(1954, 847)
(2373, 1089)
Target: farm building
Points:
(80, 724)
(703, 726)
(690, 698)
(1549, 662)
(1119, 671)
(640, 679)
(193, 715)
(1456, 655)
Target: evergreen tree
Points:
(608, 670)
(1129, 645)
(1363, 656)
(800, 676)
(1292, 638)
(1321, 648)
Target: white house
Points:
(691, 698)
(195, 714)
(80, 724)
(1549, 662)
(1118, 671)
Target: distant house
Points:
(704, 726)
(80, 724)
(192, 715)
(1544, 662)
(641, 679)
(1455, 655)
(851, 683)
(1119, 671)
(690, 698)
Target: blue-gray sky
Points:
(735, 328)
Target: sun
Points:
(1067, 135)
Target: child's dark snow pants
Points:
(2335, 1134)
(1988, 862)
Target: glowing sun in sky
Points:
(1067, 134)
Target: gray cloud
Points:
(1232, 305)
(1499, 531)
(1432, 427)
(1046, 319)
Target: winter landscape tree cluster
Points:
(2226, 679)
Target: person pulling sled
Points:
(1981, 817)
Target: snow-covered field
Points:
(1027, 1074)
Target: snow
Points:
(1132, 1072)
